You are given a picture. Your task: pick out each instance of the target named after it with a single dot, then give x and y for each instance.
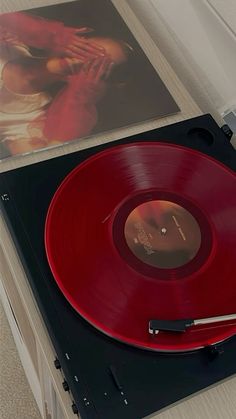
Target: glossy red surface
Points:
(103, 279)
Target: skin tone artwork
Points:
(80, 63)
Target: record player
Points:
(108, 374)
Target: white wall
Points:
(201, 44)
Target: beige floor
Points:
(16, 399)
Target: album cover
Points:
(70, 71)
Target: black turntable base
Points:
(109, 379)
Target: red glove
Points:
(50, 35)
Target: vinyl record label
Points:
(162, 234)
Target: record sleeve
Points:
(71, 71)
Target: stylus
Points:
(155, 326)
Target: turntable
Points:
(129, 249)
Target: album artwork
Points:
(70, 71)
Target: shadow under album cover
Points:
(70, 71)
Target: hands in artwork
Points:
(70, 42)
(48, 35)
(90, 80)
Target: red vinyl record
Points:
(147, 231)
